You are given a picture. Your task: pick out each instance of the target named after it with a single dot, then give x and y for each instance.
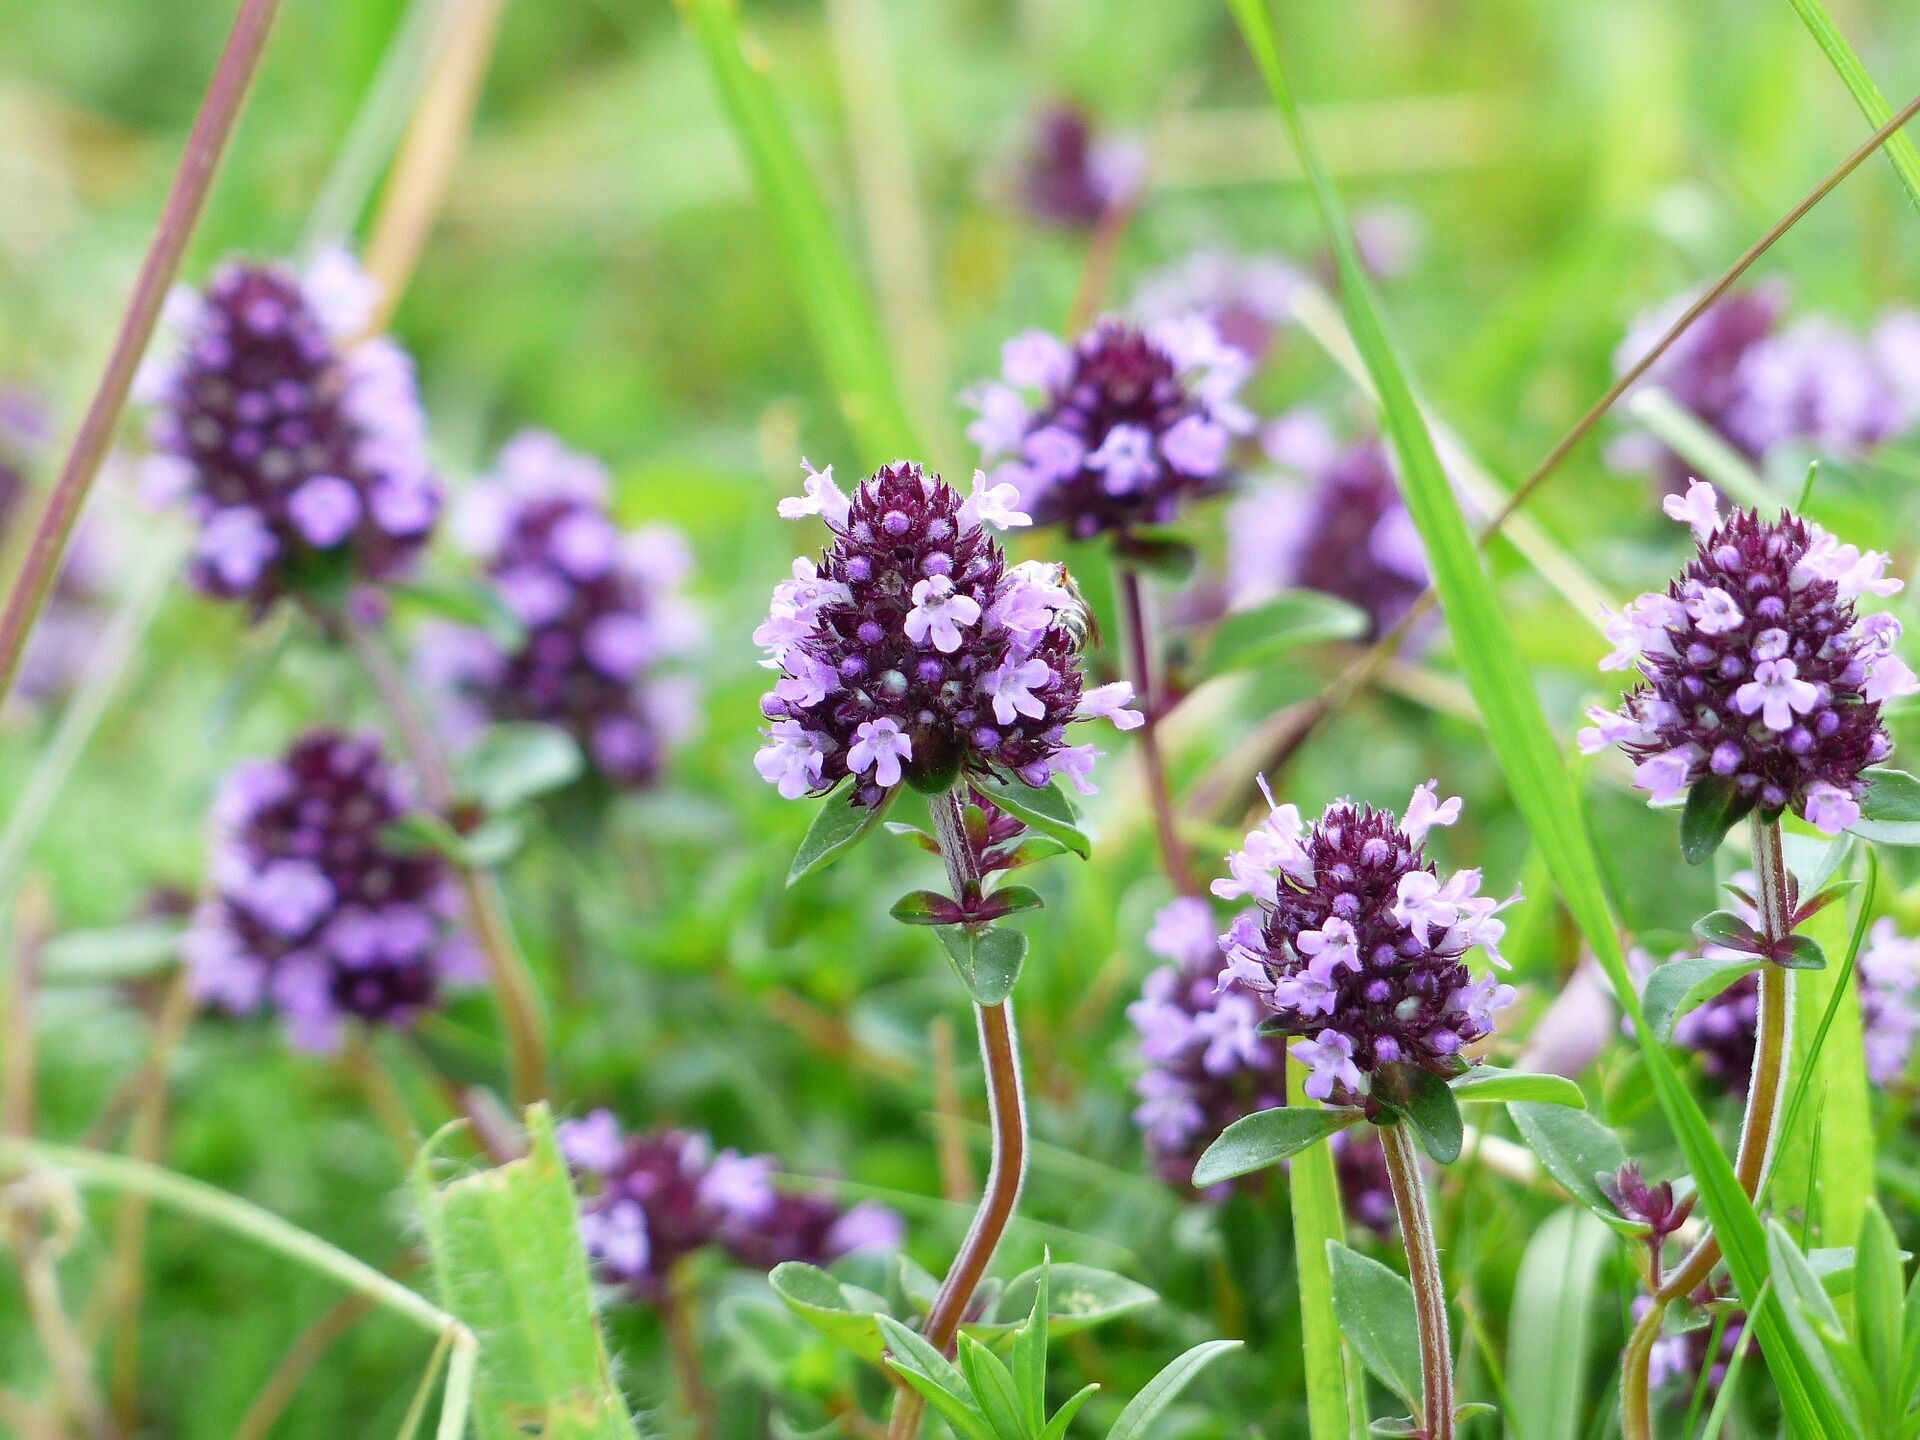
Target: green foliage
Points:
(1377, 1316)
(837, 827)
(1680, 985)
(1248, 639)
(1550, 1331)
(1267, 1137)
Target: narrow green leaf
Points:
(1063, 1417)
(1485, 1084)
(1899, 149)
(837, 828)
(1251, 638)
(988, 961)
(1876, 1305)
(839, 312)
(1336, 1390)
(1165, 1388)
(1531, 759)
(993, 1389)
(933, 1375)
(1425, 1101)
(1377, 1315)
(505, 1244)
(1808, 1312)
(1550, 1333)
(1267, 1137)
(825, 1304)
(511, 764)
(1046, 809)
(1679, 985)
(1030, 1355)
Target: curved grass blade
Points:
(1535, 770)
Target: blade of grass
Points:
(1900, 150)
(1333, 1378)
(838, 310)
(1535, 770)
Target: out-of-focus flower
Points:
(1756, 668)
(602, 611)
(300, 445)
(1072, 177)
(648, 1201)
(1759, 385)
(1118, 430)
(1247, 298)
(1889, 1000)
(1366, 1185)
(1359, 945)
(313, 913)
(913, 651)
(1335, 523)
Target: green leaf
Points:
(914, 833)
(1267, 1137)
(838, 827)
(112, 955)
(1575, 1148)
(1890, 808)
(505, 1245)
(1808, 1309)
(1163, 552)
(512, 764)
(1395, 1427)
(1877, 1305)
(1800, 952)
(1030, 1354)
(1714, 806)
(840, 314)
(1529, 755)
(1165, 1388)
(926, 907)
(465, 602)
(1012, 899)
(1248, 639)
(1063, 1417)
(1899, 149)
(1723, 927)
(1336, 1390)
(1677, 986)
(929, 1372)
(1080, 1297)
(1425, 1101)
(1484, 1084)
(993, 1388)
(988, 961)
(1378, 1317)
(1550, 1331)
(824, 1303)
(1031, 851)
(1046, 809)
(493, 842)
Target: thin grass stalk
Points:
(676, 1318)
(513, 986)
(1007, 1117)
(1423, 1271)
(1759, 1128)
(1306, 717)
(1173, 859)
(212, 128)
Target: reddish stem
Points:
(1173, 859)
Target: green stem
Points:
(1423, 1271)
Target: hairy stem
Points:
(513, 987)
(212, 128)
(1423, 1270)
(1007, 1119)
(1173, 859)
(1759, 1128)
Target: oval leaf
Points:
(838, 827)
(1714, 806)
(1009, 900)
(1575, 1148)
(1890, 808)
(823, 1302)
(1078, 1298)
(926, 907)
(1723, 927)
(1250, 638)
(512, 764)
(987, 960)
(1046, 809)
(1256, 1141)
(1377, 1315)
(1677, 986)
(1484, 1084)
(1425, 1101)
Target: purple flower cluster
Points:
(1117, 430)
(651, 1200)
(1207, 1063)
(914, 651)
(1346, 532)
(602, 612)
(300, 446)
(1072, 177)
(1756, 669)
(313, 913)
(1366, 1185)
(1248, 299)
(1359, 946)
(1759, 385)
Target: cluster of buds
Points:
(1116, 431)
(601, 612)
(298, 442)
(913, 651)
(1358, 945)
(1756, 669)
(1072, 177)
(313, 912)
(650, 1200)
(1337, 525)
(1760, 386)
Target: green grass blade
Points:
(839, 312)
(1900, 150)
(1535, 770)
(1550, 1329)
(1332, 1375)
